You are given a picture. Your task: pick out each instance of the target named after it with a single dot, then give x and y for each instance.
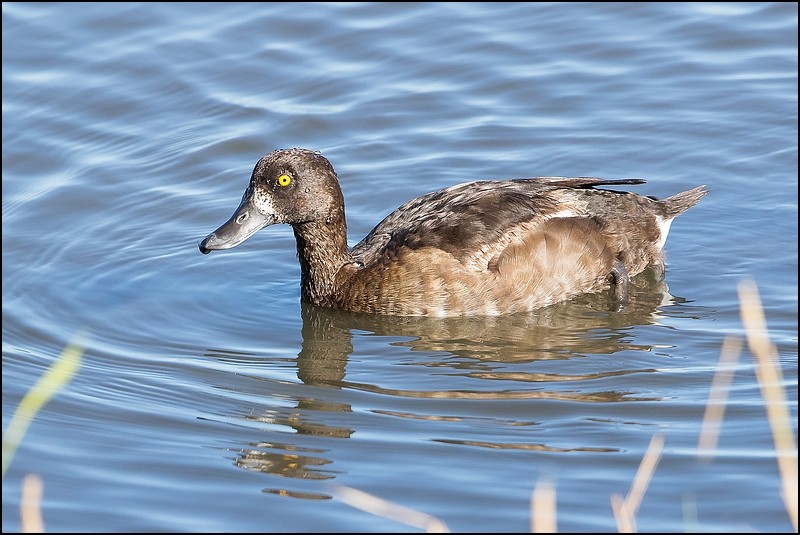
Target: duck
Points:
(479, 248)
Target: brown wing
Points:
(464, 220)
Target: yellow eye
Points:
(284, 180)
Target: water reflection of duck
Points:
(478, 248)
(588, 325)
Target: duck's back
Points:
(497, 247)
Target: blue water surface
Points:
(210, 399)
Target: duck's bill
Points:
(244, 222)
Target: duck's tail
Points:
(680, 202)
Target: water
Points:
(209, 399)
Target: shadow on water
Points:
(590, 325)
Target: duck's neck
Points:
(322, 251)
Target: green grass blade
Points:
(53, 380)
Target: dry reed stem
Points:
(625, 521)
(625, 510)
(543, 508)
(769, 378)
(380, 507)
(718, 397)
(30, 511)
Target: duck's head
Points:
(293, 186)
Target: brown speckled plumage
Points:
(478, 248)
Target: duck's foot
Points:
(622, 283)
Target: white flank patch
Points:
(663, 227)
